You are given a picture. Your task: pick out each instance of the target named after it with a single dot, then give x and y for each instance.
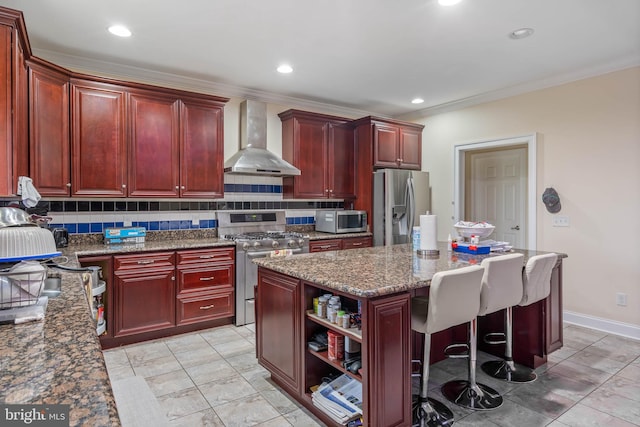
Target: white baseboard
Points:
(611, 326)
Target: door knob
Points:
(517, 227)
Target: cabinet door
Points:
(145, 301)
(341, 170)
(278, 323)
(50, 155)
(310, 156)
(6, 119)
(153, 146)
(98, 147)
(385, 146)
(387, 359)
(553, 311)
(410, 149)
(325, 245)
(202, 149)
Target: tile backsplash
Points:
(241, 193)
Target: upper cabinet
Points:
(14, 51)
(98, 145)
(391, 144)
(322, 147)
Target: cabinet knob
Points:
(69, 184)
(326, 190)
(182, 187)
(124, 185)
(177, 187)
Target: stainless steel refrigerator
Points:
(399, 198)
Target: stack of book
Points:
(341, 399)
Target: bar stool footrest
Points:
(450, 351)
(439, 414)
(501, 370)
(495, 338)
(482, 398)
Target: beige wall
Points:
(589, 151)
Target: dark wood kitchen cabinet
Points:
(175, 146)
(286, 322)
(323, 148)
(145, 289)
(205, 285)
(278, 328)
(49, 137)
(14, 50)
(98, 144)
(389, 143)
(340, 244)
(383, 143)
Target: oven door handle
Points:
(260, 254)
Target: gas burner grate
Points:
(266, 235)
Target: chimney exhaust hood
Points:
(253, 157)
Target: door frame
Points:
(530, 141)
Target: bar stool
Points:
(536, 281)
(454, 299)
(498, 292)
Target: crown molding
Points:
(142, 75)
(521, 89)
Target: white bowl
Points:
(22, 243)
(481, 231)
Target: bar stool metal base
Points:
(501, 370)
(479, 398)
(435, 414)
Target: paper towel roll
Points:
(428, 232)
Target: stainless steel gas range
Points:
(257, 234)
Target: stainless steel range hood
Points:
(253, 157)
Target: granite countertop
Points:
(59, 360)
(319, 235)
(376, 271)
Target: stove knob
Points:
(275, 244)
(256, 244)
(245, 246)
(301, 242)
(292, 243)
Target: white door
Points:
(498, 192)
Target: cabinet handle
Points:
(147, 261)
(206, 256)
(205, 279)
(68, 184)
(207, 307)
(356, 244)
(325, 246)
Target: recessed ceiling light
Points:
(285, 69)
(120, 31)
(520, 33)
(417, 101)
(448, 2)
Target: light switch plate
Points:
(560, 221)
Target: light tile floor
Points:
(212, 378)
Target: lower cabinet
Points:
(340, 244)
(287, 321)
(160, 293)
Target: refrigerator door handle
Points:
(411, 205)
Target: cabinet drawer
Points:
(204, 306)
(325, 245)
(211, 276)
(357, 242)
(206, 255)
(147, 260)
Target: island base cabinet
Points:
(278, 337)
(388, 331)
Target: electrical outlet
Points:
(621, 299)
(560, 221)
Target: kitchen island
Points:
(380, 281)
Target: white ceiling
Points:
(370, 56)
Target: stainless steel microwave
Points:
(336, 221)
